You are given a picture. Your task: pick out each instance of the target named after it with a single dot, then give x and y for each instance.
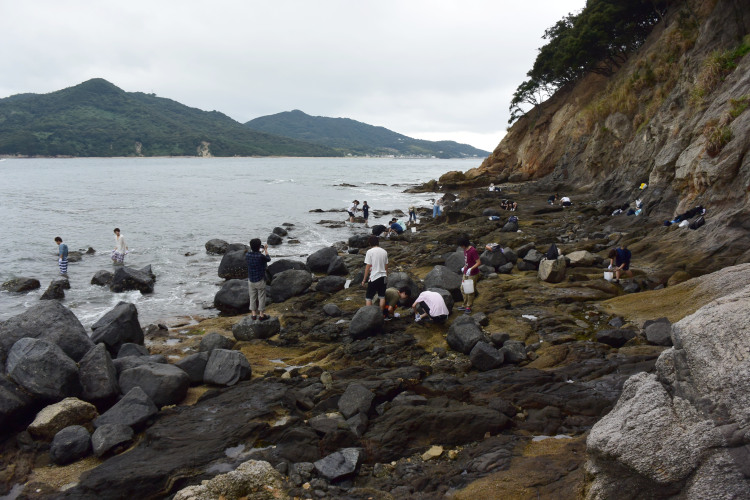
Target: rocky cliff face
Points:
(674, 117)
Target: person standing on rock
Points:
(366, 212)
(256, 278)
(121, 248)
(622, 262)
(470, 272)
(412, 215)
(376, 268)
(430, 306)
(437, 208)
(62, 256)
(353, 210)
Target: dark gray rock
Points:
(524, 249)
(281, 265)
(56, 290)
(442, 277)
(325, 424)
(490, 212)
(510, 255)
(498, 339)
(70, 444)
(337, 267)
(493, 258)
(319, 261)
(117, 327)
(332, 310)
(367, 321)
(233, 298)
(274, 239)
(509, 227)
(339, 464)
(288, 284)
(658, 332)
(102, 278)
(122, 364)
(43, 369)
(130, 349)
(358, 424)
(226, 367)
(617, 322)
(463, 335)
(506, 268)
(236, 247)
(631, 287)
(615, 337)
(165, 384)
(484, 356)
(14, 403)
(21, 285)
(330, 284)
(50, 321)
(455, 261)
(98, 376)
(249, 329)
(280, 231)
(514, 351)
(359, 241)
(522, 265)
(233, 265)
(356, 399)
(378, 229)
(126, 278)
(194, 365)
(133, 410)
(216, 246)
(399, 279)
(533, 256)
(213, 340)
(111, 438)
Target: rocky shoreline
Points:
(328, 401)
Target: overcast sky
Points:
(430, 69)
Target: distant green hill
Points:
(97, 118)
(357, 138)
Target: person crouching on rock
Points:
(376, 268)
(393, 298)
(256, 277)
(622, 261)
(397, 227)
(430, 306)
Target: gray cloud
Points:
(430, 69)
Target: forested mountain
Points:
(356, 138)
(97, 118)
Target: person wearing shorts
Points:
(366, 212)
(353, 210)
(376, 269)
(430, 306)
(622, 262)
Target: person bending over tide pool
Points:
(376, 268)
(430, 306)
(256, 278)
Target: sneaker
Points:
(387, 318)
(467, 310)
(461, 308)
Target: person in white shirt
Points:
(565, 201)
(121, 248)
(376, 268)
(430, 305)
(353, 210)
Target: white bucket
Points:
(413, 229)
(467, 286)
(609, 275)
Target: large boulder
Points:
(339, 464)
(330, 284)
(43, 369)
(530, 261)
(510, 255)
(98, 376)
(127, 278)
(118, 326)
(164, 384)
(233, 265)
(48, 320)
(111, 438)
(582, 258)
(484, 356)
(509, 227)
(194, 365)
(337, 267)
(130, 349)
(280, 231)
(658, 332)
(274, 239)
(455, 261)
(288, 284)
(552, 271)
(233, 298)
(359, 241)
(213, 340)
(249, 329)
(398, 279)
(70, 444)
(367, 321)
(463, 335)
(14, 402)
(356, 399)
(134, 410)
(513, 351)
(55, 417)
(493, 258)
(21, 285)
(216, 246)
(280, 265)
(128, 362)
(226, 367)
(616, 337)
(56, 290)
(256, 480)
(235, 247)
(319, 261)
(102, 278)
(442, 277)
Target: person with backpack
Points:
(622, 262)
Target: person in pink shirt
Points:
(429, 305)
(470, 272)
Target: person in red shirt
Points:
(470, 272)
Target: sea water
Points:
(168, 208)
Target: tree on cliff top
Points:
(598, 39)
